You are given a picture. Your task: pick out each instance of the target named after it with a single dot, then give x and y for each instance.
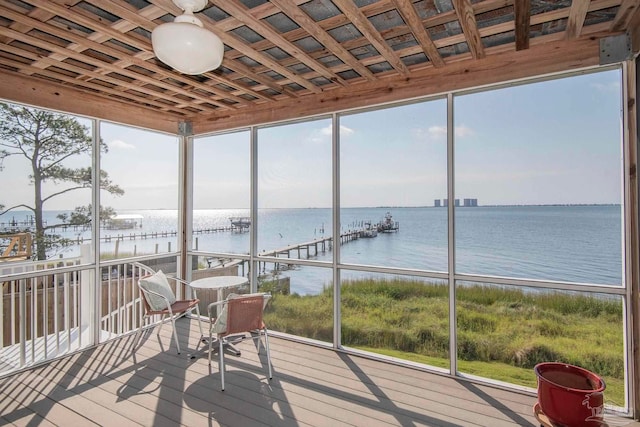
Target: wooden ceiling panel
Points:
(283, 57)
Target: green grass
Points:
(108, 256)
(614, 394)
(502, 332)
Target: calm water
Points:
(567, 243)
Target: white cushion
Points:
(157, 283)
(220, 325)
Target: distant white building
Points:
(465, 202)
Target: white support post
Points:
(86, 333)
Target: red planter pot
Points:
(569, 395)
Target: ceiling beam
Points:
(501, 67)
(31, 91)
(467, 19)
(240, 12)
(577, 14)
(362, 23)
(625, 14)
(102, 33)
(411, 18)
(522, 9)
(128, 96)
(114, 69)
(290, 8)
(634, 32)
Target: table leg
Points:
(228, 343)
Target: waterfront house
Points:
(67, 324)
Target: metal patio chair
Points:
(239, 314)
(158, 298)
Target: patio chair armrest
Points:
(143, 267)
(184, 282)
(267, 297)
(213, 306)
(161, 296)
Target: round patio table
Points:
(219, 283)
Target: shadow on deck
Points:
(111, 385)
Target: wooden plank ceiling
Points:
(288, 58)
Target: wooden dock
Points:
(151, 235)
(344, 237)
(310, 249)
(317, 245)
(306, 246)
(302, 250)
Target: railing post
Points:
(86, 329)
(22, 301)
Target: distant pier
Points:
(364, 229)
(313, 247)
(14, 226)
(347, 236)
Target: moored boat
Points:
(388, 225)
(123, 222)
(369, 230)
(240, 223)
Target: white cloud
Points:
(440, 132)
(463, 131)
(118, 144)
(430, 134)
(344, 131)
(610, 87)
(437, 131)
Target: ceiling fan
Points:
(184, 44)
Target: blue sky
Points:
(557, 141)
(552, 142)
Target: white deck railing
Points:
(47, 307)
(16, 267)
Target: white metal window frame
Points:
(451, 276)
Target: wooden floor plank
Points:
(82, 400)
(412, 392)
(342, 398)
(148, 383)
(473, 419)
(412, 388)
(246, 388)
(18, 414)
(112, 384)
(45, 407)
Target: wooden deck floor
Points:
(111, 386)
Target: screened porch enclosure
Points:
(444, 187)
(485, 314)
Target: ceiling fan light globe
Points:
(187, 47)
